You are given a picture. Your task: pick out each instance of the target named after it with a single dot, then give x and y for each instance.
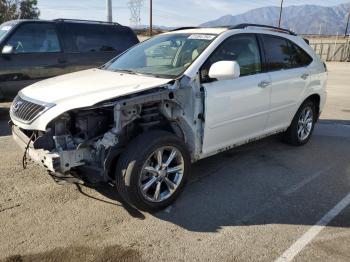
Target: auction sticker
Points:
(201, 37)
(6, 28)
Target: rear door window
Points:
(87, 38)
(35, 38)
(277, 53)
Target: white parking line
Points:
(302, 242)
(306, 181)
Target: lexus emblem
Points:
(16, 106)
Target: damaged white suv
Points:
(141, 119)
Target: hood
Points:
(82, 89)
(88, 87)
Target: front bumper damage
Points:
(57, 162)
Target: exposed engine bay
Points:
(92, 138)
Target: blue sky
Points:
(166, 12)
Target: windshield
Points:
(165, 56)
(4, 29)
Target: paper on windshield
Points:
(201, 37)
(6, 28)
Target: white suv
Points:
(141, 119)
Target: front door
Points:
(37, 55)
(236, 110)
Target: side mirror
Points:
(225, 70)
(7, 50)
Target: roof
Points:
(219, 30)
(62, 20)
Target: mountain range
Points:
(303, 19)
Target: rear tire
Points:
(153, 170)
(302, 126)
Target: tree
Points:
(16, 9)
(29, 10)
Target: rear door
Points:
(236, 110)
(289, 77)
(92, 45)
(37, 55)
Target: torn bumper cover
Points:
(60, 162)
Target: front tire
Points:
(153, 170)
(302, 126)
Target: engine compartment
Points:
(74, 128)
(92, 138)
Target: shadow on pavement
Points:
(263, 183)
(112, 193)
(81, 253)
(81, 181)
(334, 121)
(253, 184)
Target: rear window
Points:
(87, 38)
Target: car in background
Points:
(33, 50)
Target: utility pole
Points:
(279, 21)
(320, 31)
(109, 11)
(347, 25)
(150, 17)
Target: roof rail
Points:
(85, 21)
(184, 28)
(277, 29)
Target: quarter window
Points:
(243, 49)
(277, 52)
(299, 57)
(35, 38)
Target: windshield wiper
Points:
(125, 71)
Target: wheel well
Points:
(151, 118)
(316, 100)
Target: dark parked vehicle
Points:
(32, 50)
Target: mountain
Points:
(303, 19)
(155, 27)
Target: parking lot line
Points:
(306, 181)
(303, 241)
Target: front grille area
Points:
(25, 111)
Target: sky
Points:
(171, 13)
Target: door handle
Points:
(305, 76)
(264, 84)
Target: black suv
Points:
(32, 50)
